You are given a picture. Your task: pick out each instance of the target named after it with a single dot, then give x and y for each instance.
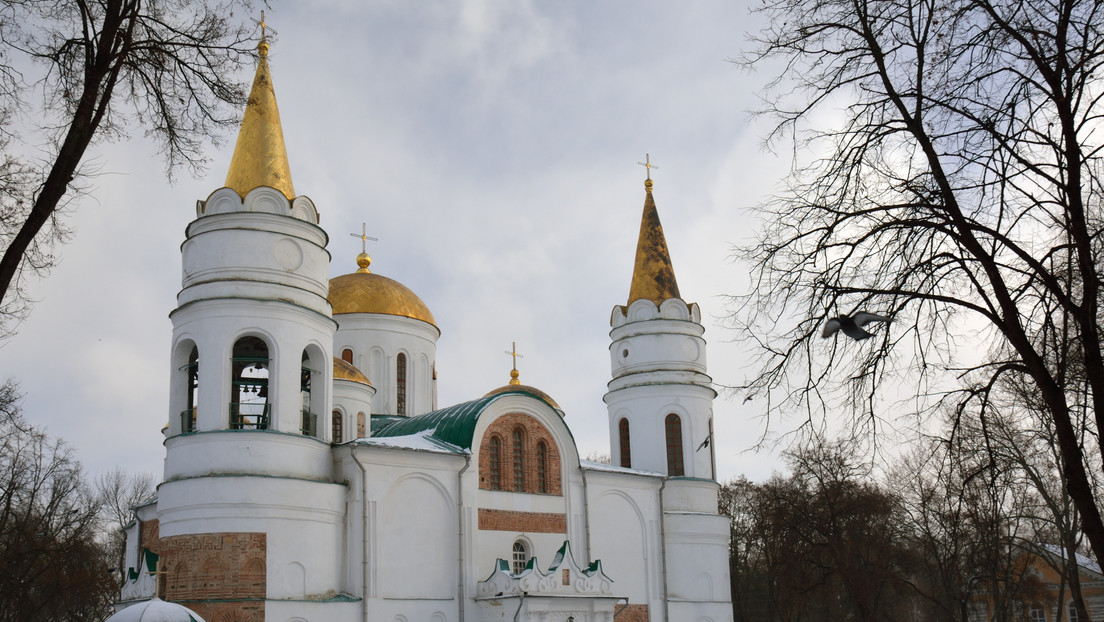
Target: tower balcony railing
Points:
(310, 424)
(249, 416)
(188, 421)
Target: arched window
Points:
(249, 368)
(347, 356)
(519, 460)
(495, 463)
(335, 422)
(623, 437)
(542, 468)
(519, 557)
(309, 425)
(400, 383)
(191, 373)
(673, 427)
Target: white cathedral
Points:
(310, 475)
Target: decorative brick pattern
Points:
(503, 428)
(631, 613)
(217, 567)
(532, 522)
(248, 611)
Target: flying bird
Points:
(851, 325)
(705, 443)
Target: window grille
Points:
(673, 426)
(400, 383)
(542, 468)
(626, 451)
(336, 424)
(519, 557)
(494, 463)
(519, 460)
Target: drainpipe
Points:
(363, 530)
(615, 612)
(521, 603)
(663, 551)
(586, 516)
(460, 534)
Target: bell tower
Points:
(249, 489)
(252, 331)
(660, 400)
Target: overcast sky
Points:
(492, 147)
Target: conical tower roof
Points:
(653, 276)
(260, 157)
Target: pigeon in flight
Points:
(705, 443)
(851, 325)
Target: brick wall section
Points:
(503, 428)
(217, 567)
(148, 536)
(532, 522)
(627, 613)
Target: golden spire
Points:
(653, 276)
(260, 158)
(514, 372)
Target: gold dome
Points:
(367, 292)
(345, 371)
(524, 388)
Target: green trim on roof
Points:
(454, 425)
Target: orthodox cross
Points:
(647, 163)
(263, 26)
(157, 573)
(513, 353)
(364, 237)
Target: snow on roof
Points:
(156, 610)
(1082, 561)
(609, 468)
(419, 441)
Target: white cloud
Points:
(492, 148)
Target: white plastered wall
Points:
(376, 341)
(625, 516)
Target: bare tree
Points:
(118, 492)
(959, 194)
(78, 71)
(750, 583)
(51, 566)
(823, 543)
(1023, 439)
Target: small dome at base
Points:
(156, 610)
(343, 370)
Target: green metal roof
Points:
(382, 421)
(454, 424)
